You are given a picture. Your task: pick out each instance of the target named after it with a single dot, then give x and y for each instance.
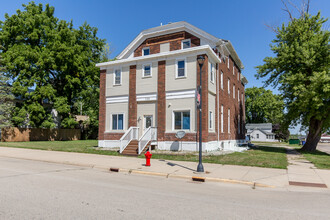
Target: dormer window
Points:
(185, 44)
(146, 51)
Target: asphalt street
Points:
(41, 190)
(325, 147)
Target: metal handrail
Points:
(149, 135)
(131, 134)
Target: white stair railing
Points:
(131, 134)
(149, 135)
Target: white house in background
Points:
(260, 132)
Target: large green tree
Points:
(262, 106)
(6, 98)
(301, 69)
(51, 63)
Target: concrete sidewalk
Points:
(253, 176)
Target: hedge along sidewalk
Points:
(268, 157)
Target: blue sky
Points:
(240, 21)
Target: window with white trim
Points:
(211, 120)
(238, 99)
(229, 121)
(257, 136)
(238, 76)
(146, 70)
(228, 86)
(221, 125)
(181, 120)
(181, 72)
(221, 79)
(117, 77)
(146, 51)
(234, 70)
(185, 44)
(117, 121)
(228, 63)
(212, 72)
(234, 92)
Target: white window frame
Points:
(221, 118)
(238, 98)
(177, 69)
(185, 40)
(234, 70)
(145, 49)
(221, 79)
(228, 63)
(212, 73)
(238, 73)
(257, 136)
(114, 77)
(228, 86)
(173, 119)
(234, 92)
(211, 120)
(228, 121)
(111, 121)
(143, 73)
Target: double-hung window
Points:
(117, 121)
(221, 79)
(146, 70)
(229, 121)
(146, 51)
(117, 76)
(238, 99)
(228, 86)
(221, 118)
(185, 44)
(212, 70)
(181, 120)
(211, 120)
(181, 72)
(234, 91)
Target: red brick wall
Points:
(102, 110)
(228, 101)
(132, 109)
(174, 40)
(161, 102)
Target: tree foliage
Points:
(6, 98)
(262, 106)
(54, 59)
(301, 69)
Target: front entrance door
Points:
(148, 122)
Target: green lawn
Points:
(320, 159)
(262, 156)
(81, 146)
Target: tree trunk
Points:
(314, 135)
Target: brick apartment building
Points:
(148, 93)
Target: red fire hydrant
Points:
(148, 157)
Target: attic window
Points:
(146, 51)
(185, 44)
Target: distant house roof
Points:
(260, 126)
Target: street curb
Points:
(206, 179)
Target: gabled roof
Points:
(182, 26)
(260, 126)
